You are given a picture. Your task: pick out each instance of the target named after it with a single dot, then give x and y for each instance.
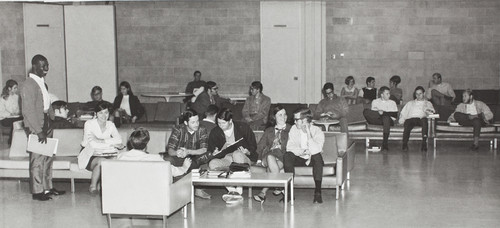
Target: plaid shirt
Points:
(181, 137)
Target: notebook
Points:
(48, 149)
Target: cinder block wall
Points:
(12, 42)
(161, 44)
(414, 39)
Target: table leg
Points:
(249, 193)
(192, 194)
(286, 197)
(291, 189)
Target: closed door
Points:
(281, 51)
(44, 34)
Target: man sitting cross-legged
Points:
(472, 113)
(229, 133)
(304, 147)
(188, 140)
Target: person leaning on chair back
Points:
(473, 113)
(35, 103)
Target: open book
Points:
(47, 149)
(229, 149)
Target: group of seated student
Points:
(255, 109)
(384, 109)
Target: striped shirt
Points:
(181, 137)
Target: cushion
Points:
(463, 129)
(328, 170)
(356, 114)
(396, 128)
(168, 111)
(350, 127)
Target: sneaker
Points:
(41, 197)
(231, 195)
(202, 194)
(234, 200)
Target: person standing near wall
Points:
(35, 103)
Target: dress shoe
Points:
(405, 148)
(385, 147)
(41, 197)
(202, 194)
(55, 192)
(317, 198)
(474, 147)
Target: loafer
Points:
(230, 196)
(41, 197)
(55, 192)
(317, 198)
(202, 194)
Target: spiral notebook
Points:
(47, 149)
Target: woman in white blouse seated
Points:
(100, 136)
(137, 144)
(9, 106)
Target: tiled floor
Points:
(455, 188)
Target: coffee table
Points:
(325, 123)
(256, 180)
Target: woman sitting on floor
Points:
(272, 146)
(99, 135)
(127, 106)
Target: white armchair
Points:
(142, 188)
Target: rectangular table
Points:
(256, 180)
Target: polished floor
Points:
(452, 188)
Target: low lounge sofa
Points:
(338, 156)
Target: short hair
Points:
(271, 121)
(327, 85)
(101, 105)
(304, 113)
(186, 115)
(225, 114)
(197, 72)
(212, 110)
(211, 84)
(396, 79)
(415, 91)
(59, 104)
(369, 79)
(127, 85)
(438, 75)
(469, 91)
(38, 58)
(139, 139)
(94, 89)
(257, 85)
(383, 89)
(348, 79)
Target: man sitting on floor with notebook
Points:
(231, 142)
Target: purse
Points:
(238, 167)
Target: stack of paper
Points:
(240, 174)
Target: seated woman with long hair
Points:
(127, 107)
(99, 134)
(9, 106)
(272, 145)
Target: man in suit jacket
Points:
(35, 103)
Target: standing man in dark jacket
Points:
(35, 103)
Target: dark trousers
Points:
(466, 120)
(41, 165)
(177, 161)
(290, 161)
(373, 117)
(7, 122)
(410, 124)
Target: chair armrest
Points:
(180, 193)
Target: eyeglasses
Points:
(215, 88)
(297, 119)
